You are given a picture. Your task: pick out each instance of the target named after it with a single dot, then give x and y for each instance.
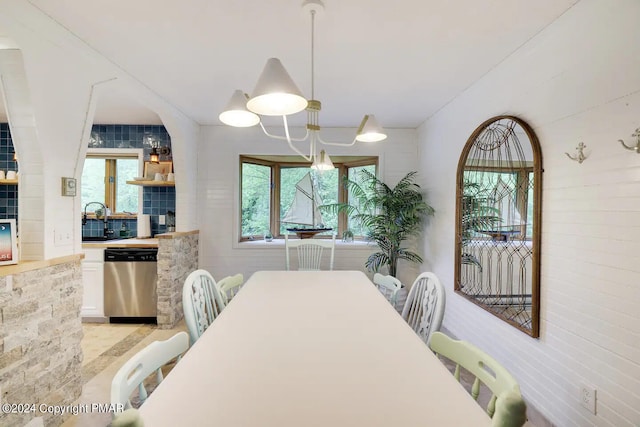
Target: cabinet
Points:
(93, 284)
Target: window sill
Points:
(279, 244)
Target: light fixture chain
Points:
(313, 20)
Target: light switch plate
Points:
(68, 186)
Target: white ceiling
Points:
(401, 60)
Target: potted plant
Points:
(478, 214)
(391, 216)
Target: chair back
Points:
(229, 286)
(506, 401)
(424, 308)
(389, 286)
(201, 302)
(147, 361)
(309, 252)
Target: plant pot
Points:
(347, 236)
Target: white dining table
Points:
(302, 348)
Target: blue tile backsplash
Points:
(8, 193)
(95, 228)
(155, 200)
(129, 136)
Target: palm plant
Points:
(391, 215)
(478, 214)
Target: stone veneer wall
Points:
(177, 257)
(40, 333)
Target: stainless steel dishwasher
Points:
(130, 284)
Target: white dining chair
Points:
(424, 308)
(229, 286)
(309, 252)
(144, 363)
(506, 406)
(389, 286)
(128, 418)
(201, 302)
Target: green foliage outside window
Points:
(95, 183)
(126, 194)
(92, 189)
(256, 204)
(258, 191)
(358, 228)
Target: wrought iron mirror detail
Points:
(498, 217)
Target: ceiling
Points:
(401, 60)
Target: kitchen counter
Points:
(24, 266)
(123, 243)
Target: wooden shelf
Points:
(153, 183)
(9, 181)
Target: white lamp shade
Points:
(236, 113)
(275, 93)
(370, 130)
(322, 162)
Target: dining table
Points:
(310, 348)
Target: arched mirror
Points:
(498, 216)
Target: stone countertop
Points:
(175, 234)
(123, 243)
(24, 266)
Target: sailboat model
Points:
(304, 210)
(509, 218)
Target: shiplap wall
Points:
(578, 80)
(218, 195)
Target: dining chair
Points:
(128, 418)
(309, 252)
(506, 406)
(144, 363)
(424, 308)
(229, 286)
(201, 302)
(389, 286)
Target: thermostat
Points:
(68, 186)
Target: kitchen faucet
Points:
(106, 230)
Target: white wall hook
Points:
(636, 147)
(580, 156)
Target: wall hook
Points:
(635, 148)
(579, 157)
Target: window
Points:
(104, 180)
(268, 189)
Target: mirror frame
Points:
(534, 331)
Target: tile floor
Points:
(107, 346)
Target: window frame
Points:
(278, 162)
(110, 187)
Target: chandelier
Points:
(276, 94)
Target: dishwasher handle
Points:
(130, 255)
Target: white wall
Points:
(218, 201)
(578, 80)
(50, 100)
